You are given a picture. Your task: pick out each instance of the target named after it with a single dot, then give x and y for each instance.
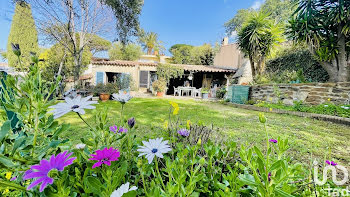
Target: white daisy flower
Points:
(122, 190)
(122, 96)
(78, 104)
(325, 105)
(344, 107)
(154, 147)
(80, 146)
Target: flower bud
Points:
(199, 142)
(139, 163)
(262, 118)
(34, 58)
(16, 50)
(131, 122)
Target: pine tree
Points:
(24, 33)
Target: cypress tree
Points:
(24, 33)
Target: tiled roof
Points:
(3, 64)
(122, 63)
(82, 77)
(198, 68)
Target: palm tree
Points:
(257, 38)
(150, 42)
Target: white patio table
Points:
(186, 89)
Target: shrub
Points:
(159, 85)
(205, 90)
(108, 88)
(295, 61)
(220, 93)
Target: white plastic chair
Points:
(176, 90)
(197, 93)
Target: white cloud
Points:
(256, 5)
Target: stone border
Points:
(334, 119)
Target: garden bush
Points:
(184, 160)
(293, 64)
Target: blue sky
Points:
(176, 21)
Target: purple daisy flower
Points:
(131, 122)
(41, 171)
(273, 141)
(113, 128)
(13, 178)
(105, 156)
(123, 130)
(331, 163)
(184, 132)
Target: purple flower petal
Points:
(40, 171)
(105, 156)
(35, 183)
(45, 182)
(183, 132)
(97, 164)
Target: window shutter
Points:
(99, 77)
(143, 79)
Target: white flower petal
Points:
(150, 157)
(159, 154)
(122, 190)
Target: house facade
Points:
(230, 57)
(144, 73)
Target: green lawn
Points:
(307, 137)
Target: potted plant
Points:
(205, 93)
(105, 91)
(92, 92)
(159, 87)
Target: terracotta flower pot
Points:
(104, 97)
(160, 94)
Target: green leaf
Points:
(10, 185)
(6, 162)
(248, 179)
(275, 165)
(283, 193)
(5, 128)
(94, 184)
(259, 153)
(18, 142)
(130, 194)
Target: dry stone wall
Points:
(309, 93)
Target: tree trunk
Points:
(261, 65)
(61, 65)
(252, 66)
(76, 67)
(149, 51)
(337, 69)
(342, 63)
(331, 70)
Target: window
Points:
(144, 79)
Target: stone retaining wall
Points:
(334, 119)
(309, 93)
